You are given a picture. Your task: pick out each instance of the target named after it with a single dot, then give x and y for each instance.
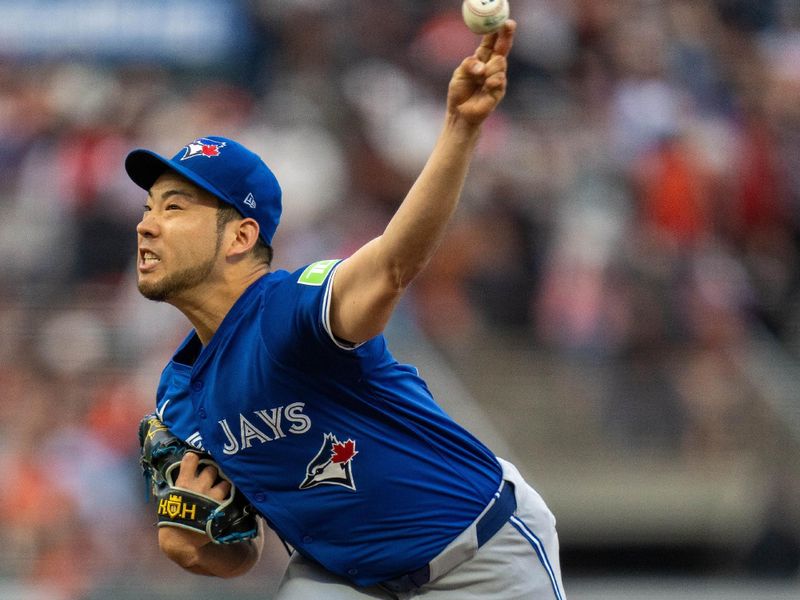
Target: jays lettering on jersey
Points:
(342, 449)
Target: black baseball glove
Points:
(227, 522)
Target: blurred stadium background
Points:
(616, 306)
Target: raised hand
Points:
(479, 83)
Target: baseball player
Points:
(286, 383)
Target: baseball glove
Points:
(227, 522)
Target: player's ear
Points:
(245, 237)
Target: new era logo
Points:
(250, 201)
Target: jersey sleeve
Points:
(296, 319)
(325, 311)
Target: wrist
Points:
(463, 130)
(179, 541)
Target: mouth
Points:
(148, 261)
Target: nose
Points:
(148, 226)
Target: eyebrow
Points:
(169, 193)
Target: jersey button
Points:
(307, 539)
(352, 572)
(259, 496)
(197, 386)
(201, 413)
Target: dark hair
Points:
(227, 213)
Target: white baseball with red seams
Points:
(484, 16)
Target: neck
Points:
(206, 305)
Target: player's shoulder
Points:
(313, 273)
(294, 306)
(316, 273)
(304, 285)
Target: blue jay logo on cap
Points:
(202, 147)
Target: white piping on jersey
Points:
(160, 411)
(326, 314)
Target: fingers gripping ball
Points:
(485, 16)
(232, 520)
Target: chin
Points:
(153, 291)
(152, 294)
(168, 287)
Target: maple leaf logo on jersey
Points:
(332, 465)
(202, 147)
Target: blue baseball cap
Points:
(222, 167)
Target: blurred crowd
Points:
(634, 202)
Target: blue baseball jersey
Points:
(342, 449)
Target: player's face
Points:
(178, 239)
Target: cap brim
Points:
(144, 167)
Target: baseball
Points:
(484, 16)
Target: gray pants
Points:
(520, 562)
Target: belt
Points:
(490, 523)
